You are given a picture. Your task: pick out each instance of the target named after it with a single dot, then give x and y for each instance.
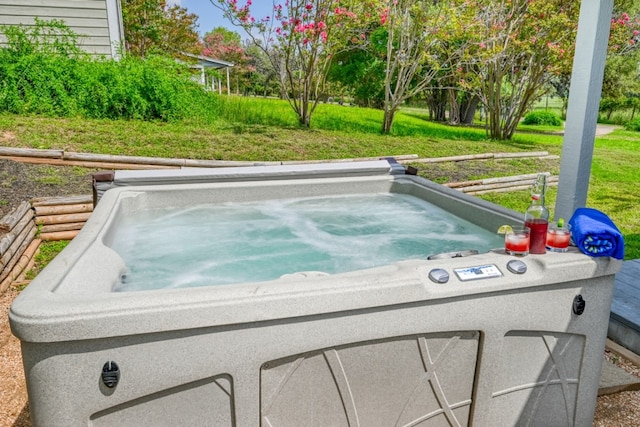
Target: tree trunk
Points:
(304, 115)
(437, 101)
(468, 110)
(454, 107)
(387, 122)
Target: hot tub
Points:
(486, 339)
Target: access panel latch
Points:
(110, 374)
(579, 305)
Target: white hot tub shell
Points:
(483, 340)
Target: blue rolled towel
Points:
(595, 234)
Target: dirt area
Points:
(14, 410)
(22, 182)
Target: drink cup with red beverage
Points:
(516, 241)
(558, 238)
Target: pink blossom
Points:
(384, 16)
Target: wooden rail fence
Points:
(500, 185)
(107, 161)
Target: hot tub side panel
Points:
(499, 358)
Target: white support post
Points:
(584, 101)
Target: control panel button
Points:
(516, 266)
(438, 275)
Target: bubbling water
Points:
(228, 243)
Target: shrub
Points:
(42, 71)
(633, 125)
(542, 118)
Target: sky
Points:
(209, 17)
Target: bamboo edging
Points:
(108, 161)
(22, 266)
(59, 235)
(84, 164)
(12, 257)
(61, 218)
(485, 181)
(63, 209)
(58, 218)
(7, 242)
(64, 200)
(500, 185)
(67, 226)
(10, 220)
(482, 156)
(508, 189)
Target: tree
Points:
(262, 78)
(361, 71)
(422, 43)
(621, 84)
(300, 39)
(521, 46)
(151, 26)
(226, 45)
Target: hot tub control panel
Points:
(487, 271)
(477, 272)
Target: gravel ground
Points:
(22, 182)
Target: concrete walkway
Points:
(602, 129)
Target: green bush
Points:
(42, 71)
(542, 118)
(633, 125)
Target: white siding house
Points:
(98, 23)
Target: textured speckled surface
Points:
(376, 344)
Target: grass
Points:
(255, 129)
(47, 251)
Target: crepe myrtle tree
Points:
(621, 75)
(518, 49)
(621, 85)
(221, 43)
(300, 38)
